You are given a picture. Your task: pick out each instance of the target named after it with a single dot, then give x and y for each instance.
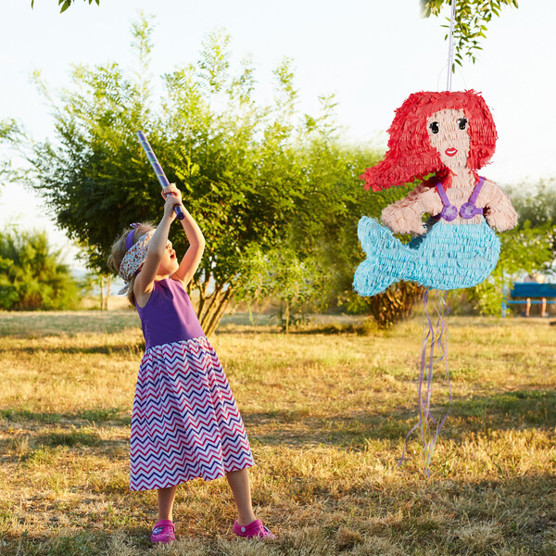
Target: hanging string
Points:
(434, 355)
(451, 46)
(430, 429)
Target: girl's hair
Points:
(410, 154)
(119, 250)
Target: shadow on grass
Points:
(69, 438)
(365, 328)
(43, 447)
(455, 516)
(117, 416)
(78, 543)
(135, 348)
(359, 327)
(510, 410)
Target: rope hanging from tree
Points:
(451, 46)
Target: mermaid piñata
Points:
(449, 135)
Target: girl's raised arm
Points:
(192, 257)
(155, 251)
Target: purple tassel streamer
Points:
(435, 337)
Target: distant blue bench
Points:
(532, 290)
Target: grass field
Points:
(326, 414)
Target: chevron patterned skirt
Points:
(185, 423)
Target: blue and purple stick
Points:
(158, 169)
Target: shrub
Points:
(32, 276)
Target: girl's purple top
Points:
(168, 316)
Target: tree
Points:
(235, 161)
(537, 207)
(32, 275)
(97, 282)
(537, 212)
(324, 228)
(524, 250)
(472, 19)
(8, 131)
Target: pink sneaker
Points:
(254, 529)
(163, 532)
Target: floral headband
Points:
(134, 257)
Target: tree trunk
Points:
(105, 285)
(395, 303)
(210, 308)
(108, 285)
(101, 284)
(214, 320)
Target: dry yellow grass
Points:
(326, 415)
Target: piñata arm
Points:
(405, 216)
(499, 211)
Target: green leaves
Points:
(65, 4)
(31, 274)
(257, 177)
(524, 250)
(537, 207)
(281, 274)
(472, 18)
(215, 61)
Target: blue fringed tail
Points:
(446, 257)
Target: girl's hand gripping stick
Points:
(158, 170)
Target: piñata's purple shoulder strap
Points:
(449, 212)
(467, 210)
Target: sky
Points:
(370, 53)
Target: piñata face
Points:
(449, 134)
(411, 153)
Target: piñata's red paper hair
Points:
(410, 154)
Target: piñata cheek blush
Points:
(448, 132)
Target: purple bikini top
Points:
(467, 210)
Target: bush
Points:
(32, 276)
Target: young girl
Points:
(451, 135)
(185, 423)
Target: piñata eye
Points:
(434, 127)
(462, 123)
